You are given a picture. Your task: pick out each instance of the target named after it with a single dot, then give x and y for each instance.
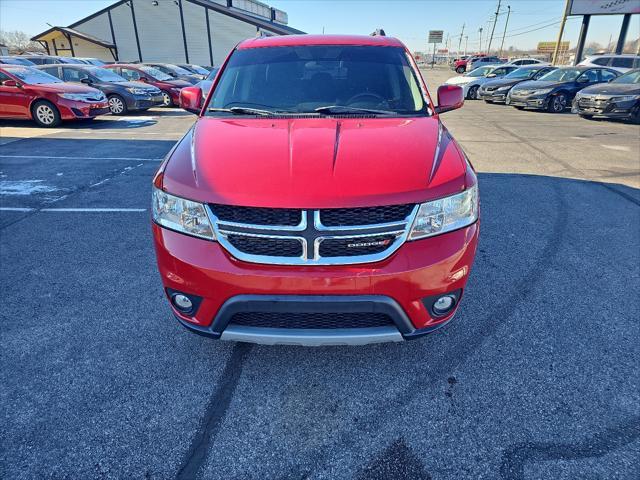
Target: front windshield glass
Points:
(629, 77)
(31, 76)
(561, 75)
(199, 69)
(155, 73)
(212, 74)
(106, 75)
(179, 70)
(301, 79)
(480, 71)
(521, 73)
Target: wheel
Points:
(460, 70)
(117, 105)
(473, 93)
(557, 103)
(45, 114)
(588, 117)
(166, 99)
(519, 107)
(635, 115)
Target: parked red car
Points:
(29, 93)
(169, 86)
(317, 199)
(460, 65)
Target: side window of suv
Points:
(622, 62)
(130, 74)
(604, 61)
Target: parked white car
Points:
(471, 81)
(622, 63)
(526, 61)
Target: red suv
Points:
(317, 199)
(460, 65)
(169, 85)
(29, 93)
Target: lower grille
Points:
(311, 320)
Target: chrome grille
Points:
(312, 237)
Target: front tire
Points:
(587, 117)
(519, 107)
(473, 93)
(460, 70)
(166, 99)
(557, 103)
(635, 115)
(45, 114)
(117, 105)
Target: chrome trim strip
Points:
(222, 239)
(311, 337)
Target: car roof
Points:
(67, 65)
(306, 40)
(126, 65)
(536, 66)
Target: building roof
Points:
(275, 27)
(297, 40)
(75, 33)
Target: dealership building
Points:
(174, 31)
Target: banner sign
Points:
(604, 7)
(550, 47)
(435, 36)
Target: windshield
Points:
(155, 73)
(199, 69)
(106, 75)
(16, 61)
(31, 76)
(561, 75)
(629, 77)
(522, 73)
(301, 79)
(480, 71)
(178, 70)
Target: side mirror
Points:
(10, 83)
(450, 97)
(86, 80)
(492, 75)
(583, 80)
(191, 99)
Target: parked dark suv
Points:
(168, 85)
(123, 96)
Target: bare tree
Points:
(19, 42)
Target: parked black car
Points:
(619, 98)
(555, 90)
(50, 59)
(124, 96)
(8, 60)
(495, 91)
(177, 72)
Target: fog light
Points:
(182, 302)
(443, 304)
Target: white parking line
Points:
(15, 209)
(130, 159)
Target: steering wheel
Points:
(358, 96)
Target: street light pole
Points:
(466, 43)
(505, 29)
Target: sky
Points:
(530, 21)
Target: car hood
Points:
(143, 85)
(63, 88)
(177, 83)
(315, 163)
(612, 88)
(503, 82)
(538, 85)
(460, 80)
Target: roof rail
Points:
(379, 33)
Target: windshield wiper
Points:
(343, 109)
(243, 111)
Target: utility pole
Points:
(460, 41)
(480, 50)
(493, 29)
(466, 43)
(505, 29)
(554, 60)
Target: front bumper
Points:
(398, 286)
(528, 101)
(604, 107)
(71, 109)
(140, 102)
(493, 96)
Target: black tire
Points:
(635, 115)
(519, 107)
(473, 93)
(117, 105)
(557, 103)
(45, 114)
(587, 117)
(460, 70)
(167, 99)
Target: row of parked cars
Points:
(64, 88)
(589, 90)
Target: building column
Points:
(582, 39)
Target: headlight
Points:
(82, 97)
(625, 98)
(503, 89)
(137, 91)
(181, 215)
(446, 214)
(542, 91)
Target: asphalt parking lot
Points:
(536, 378)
